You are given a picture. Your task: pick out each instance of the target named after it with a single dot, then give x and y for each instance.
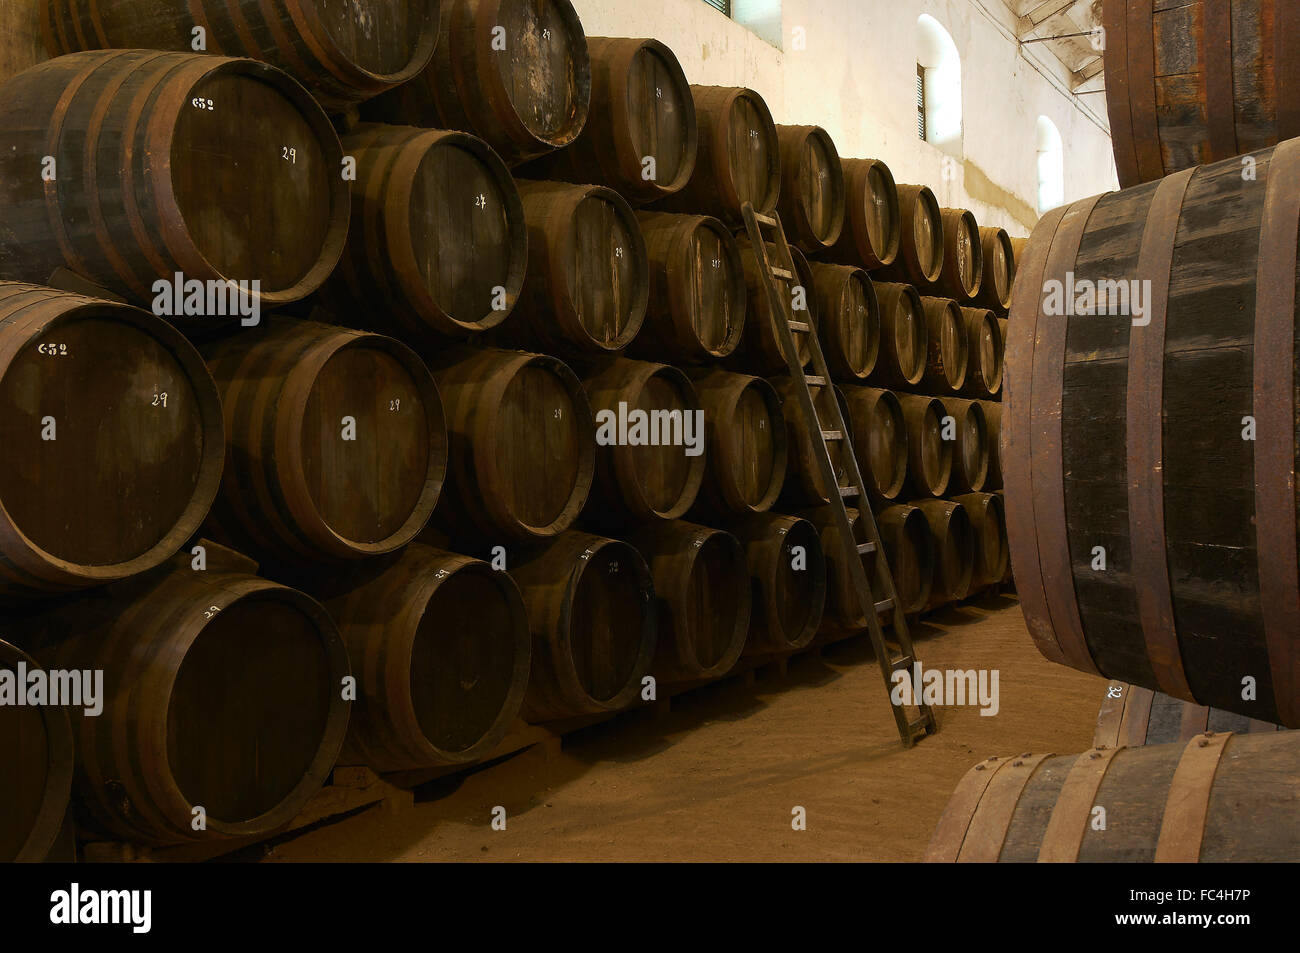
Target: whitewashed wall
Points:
(856, 77)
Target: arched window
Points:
(1051, 166)
(938, 85)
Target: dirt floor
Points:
(719, 776)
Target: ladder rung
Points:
(832, 435)
(781, 273)
(848, 491)
(800, 326)
(865, 548)
(767, 220)
(884, 605)
(814, 380)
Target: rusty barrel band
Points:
(1144, 430)
(1136, 718)
(1047, 450)
(1182, 828)
(1140, 41)
(988, 828)
(1069, 821)
(1115, 55)
(1220, 106)
(1274, 409)
(951, 830)
(1017, 477)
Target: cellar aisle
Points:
(717, 779)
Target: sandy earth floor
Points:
(719, 776)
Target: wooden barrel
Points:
(592, 614)
(441, 651)
(221, 691)
(1221, 797)
(342, 53)
(1018, 251)
(760, 350)
(904, 338)
(962, 273)
(929, 456)
(702, 598)
(113, 441)
(640, 137)
(812, 187)
(739, 157)
(848, 320)
(23, 47)
(337, 444)
(1169, 442)
(909, 547)
(513, 72)
(953, 539)
(787, 572)
(803, 484)
(879, 432)
(219, 169)
(993, 421)
(999, 270)
(921, 242)
(970, 446)
(1131, 716)
(747, 445)
(438, 245)
(522, 443)
(1198, 81)
(989, 524)
(36, 750)
(588, 278)
(948, 351)
(871, 235)
(697, 300)
(651, 433)
(843, 610)
(984, 353)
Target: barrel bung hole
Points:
(249, 707)
(252, 182)
(128, 440)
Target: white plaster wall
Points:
(856, 77)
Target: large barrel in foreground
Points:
(36, 750)
(1198, 81)
(113, 441)
(441, 648)
(219, 169)
(337, 443)
(1150, 478)
(342, 52)
(591, 611)
(516, 73)
(222, 691)
(1131, 716)
(1221, 797)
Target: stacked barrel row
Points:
(328, 435)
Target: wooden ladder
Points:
(898, 655)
